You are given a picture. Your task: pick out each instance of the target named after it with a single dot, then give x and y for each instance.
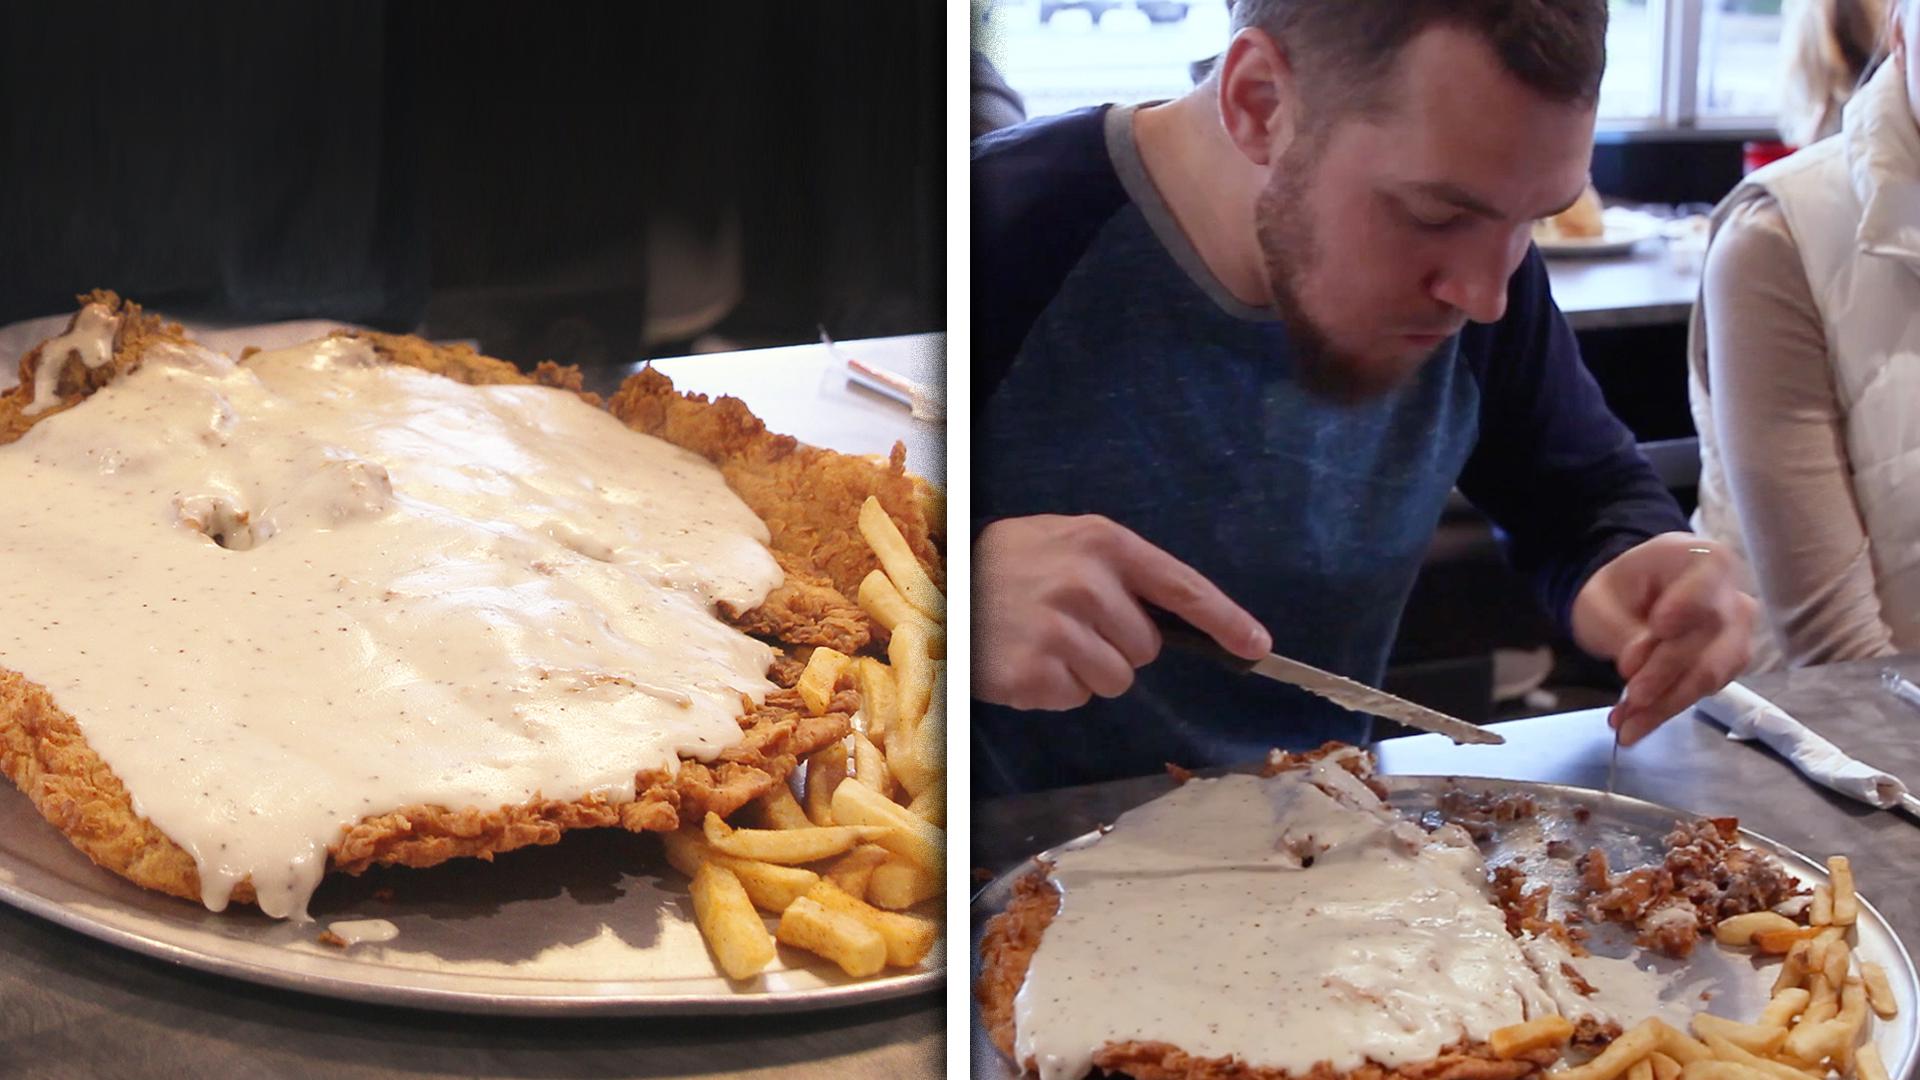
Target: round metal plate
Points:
(1630, 831)
(595, 924)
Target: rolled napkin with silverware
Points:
(1746, 716)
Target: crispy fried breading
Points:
(1706, 875)
(1007, 947)
(807, 610)
(43, 751)
(1527, 912)
(462, 363)
(134, 333)
(809, 498)
(1459, 1061)
(1011, 938)
(1361, 763)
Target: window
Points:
(1740, 61)
(1670, 63)
(1630, 89)
(1066, 54)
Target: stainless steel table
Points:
(1689, 764)
(73, 1007)
(1641, 288)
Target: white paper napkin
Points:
(1747, 715)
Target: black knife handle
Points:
(1180, 634)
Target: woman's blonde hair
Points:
(1831, 47)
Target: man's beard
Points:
(1290, 253)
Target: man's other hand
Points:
(1670, 615)
(1058, 616)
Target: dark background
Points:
(594, 182)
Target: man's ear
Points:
(1258, 105)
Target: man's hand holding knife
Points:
(1059, 615)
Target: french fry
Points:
(1819, 944)
(899, 884)
(1680, 1046)
(856, 947)
(1727, 1051)
(1785, 1005)
(780, 810)
(1813, 1043)
(931, 804)
(826, 767)
(1642, 1069)
(1720, 1070)
(917, 752)
(1750, 1037)
(1839, 960)
(908, 937)
(1846, 906)
(727, 920)
(1632, 1045)
(897, 829)
(852, 871)
(1740, 929)
(907, 756)
(1664, 1067)
(881, 600)
(1794, 970)
(898, 560)
(1819, 1040)
(788, 847)
(1853, 1005)
(870, 766)
(1821, 913)
(817, 679)
(1879, 990)
(879, 701)
(686, 850)
(1867, 1064)
(1824, 1003)
(1779, 942)
(1516, 1039)
(771, 887)
(912, 672)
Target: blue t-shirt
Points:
(1114, 375)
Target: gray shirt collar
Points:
(1125, 153)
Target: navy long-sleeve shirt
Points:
(1114, 375)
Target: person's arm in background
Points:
(1782, 440)
(1589, 522)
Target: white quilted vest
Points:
(1852, 203)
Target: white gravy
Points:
(355, 931)
(91, 339)
(1197, 921)
(428, 593)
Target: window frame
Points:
(1682, 24)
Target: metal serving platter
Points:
(1630, 831)
(597, 924)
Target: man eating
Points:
(1233, 351)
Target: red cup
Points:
(1755, 155)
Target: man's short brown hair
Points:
(1343, 51)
